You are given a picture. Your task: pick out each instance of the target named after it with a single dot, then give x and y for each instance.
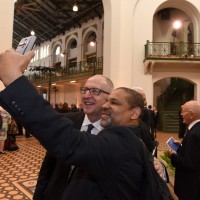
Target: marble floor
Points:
(19, 169)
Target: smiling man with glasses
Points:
(53, 178)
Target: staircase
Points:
(171, 109)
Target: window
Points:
(58, 50)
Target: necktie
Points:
(90, 127)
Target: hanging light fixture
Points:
(32, 32)
(75, 7)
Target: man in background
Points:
(187, 160)
(148, 138)
(152, 120)
(182, 126)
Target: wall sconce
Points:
(92, 43)
(63, 54)
(73, 81)
(92, 39)
(177, 24)
(75, 7)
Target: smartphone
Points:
(173, 145)
(26, 44)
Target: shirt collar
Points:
(193, 123)
(96, 124)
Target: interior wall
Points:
(164, 27)
(6, 26)
(129, 22)
(117, 51)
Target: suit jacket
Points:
(146, 137)
(146, 117)
(53, 180)
(53, 175)
(112, 158)
(187, 164)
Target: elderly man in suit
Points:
(186, 160)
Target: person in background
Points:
(182, 126)
(156, 114)
(27, 134)
(57, 107)
(65, 108)
(1, 120)
(73, 108)
(186, 160)
(4, 118)
(147, 137)
(152, 120)
(146, 118)
(19, 128)
(60, 105)
(12, 128)
(145, 125)
(80, 108)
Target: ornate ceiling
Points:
(49, 18)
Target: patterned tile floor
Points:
(19, 169)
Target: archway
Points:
(169, 94)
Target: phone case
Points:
(26, 44)
(174, 146)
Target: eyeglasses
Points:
(93, 91)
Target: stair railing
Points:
(161, 101)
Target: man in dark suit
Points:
(54, 174)
(145, 122)
(186, 160)
(111, 159)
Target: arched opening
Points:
(169, 94)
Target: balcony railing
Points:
(39, 74)
(173, 51)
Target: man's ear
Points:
(136, 112)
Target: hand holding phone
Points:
(26, 44)
(172, 144)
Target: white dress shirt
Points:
(97, 127)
